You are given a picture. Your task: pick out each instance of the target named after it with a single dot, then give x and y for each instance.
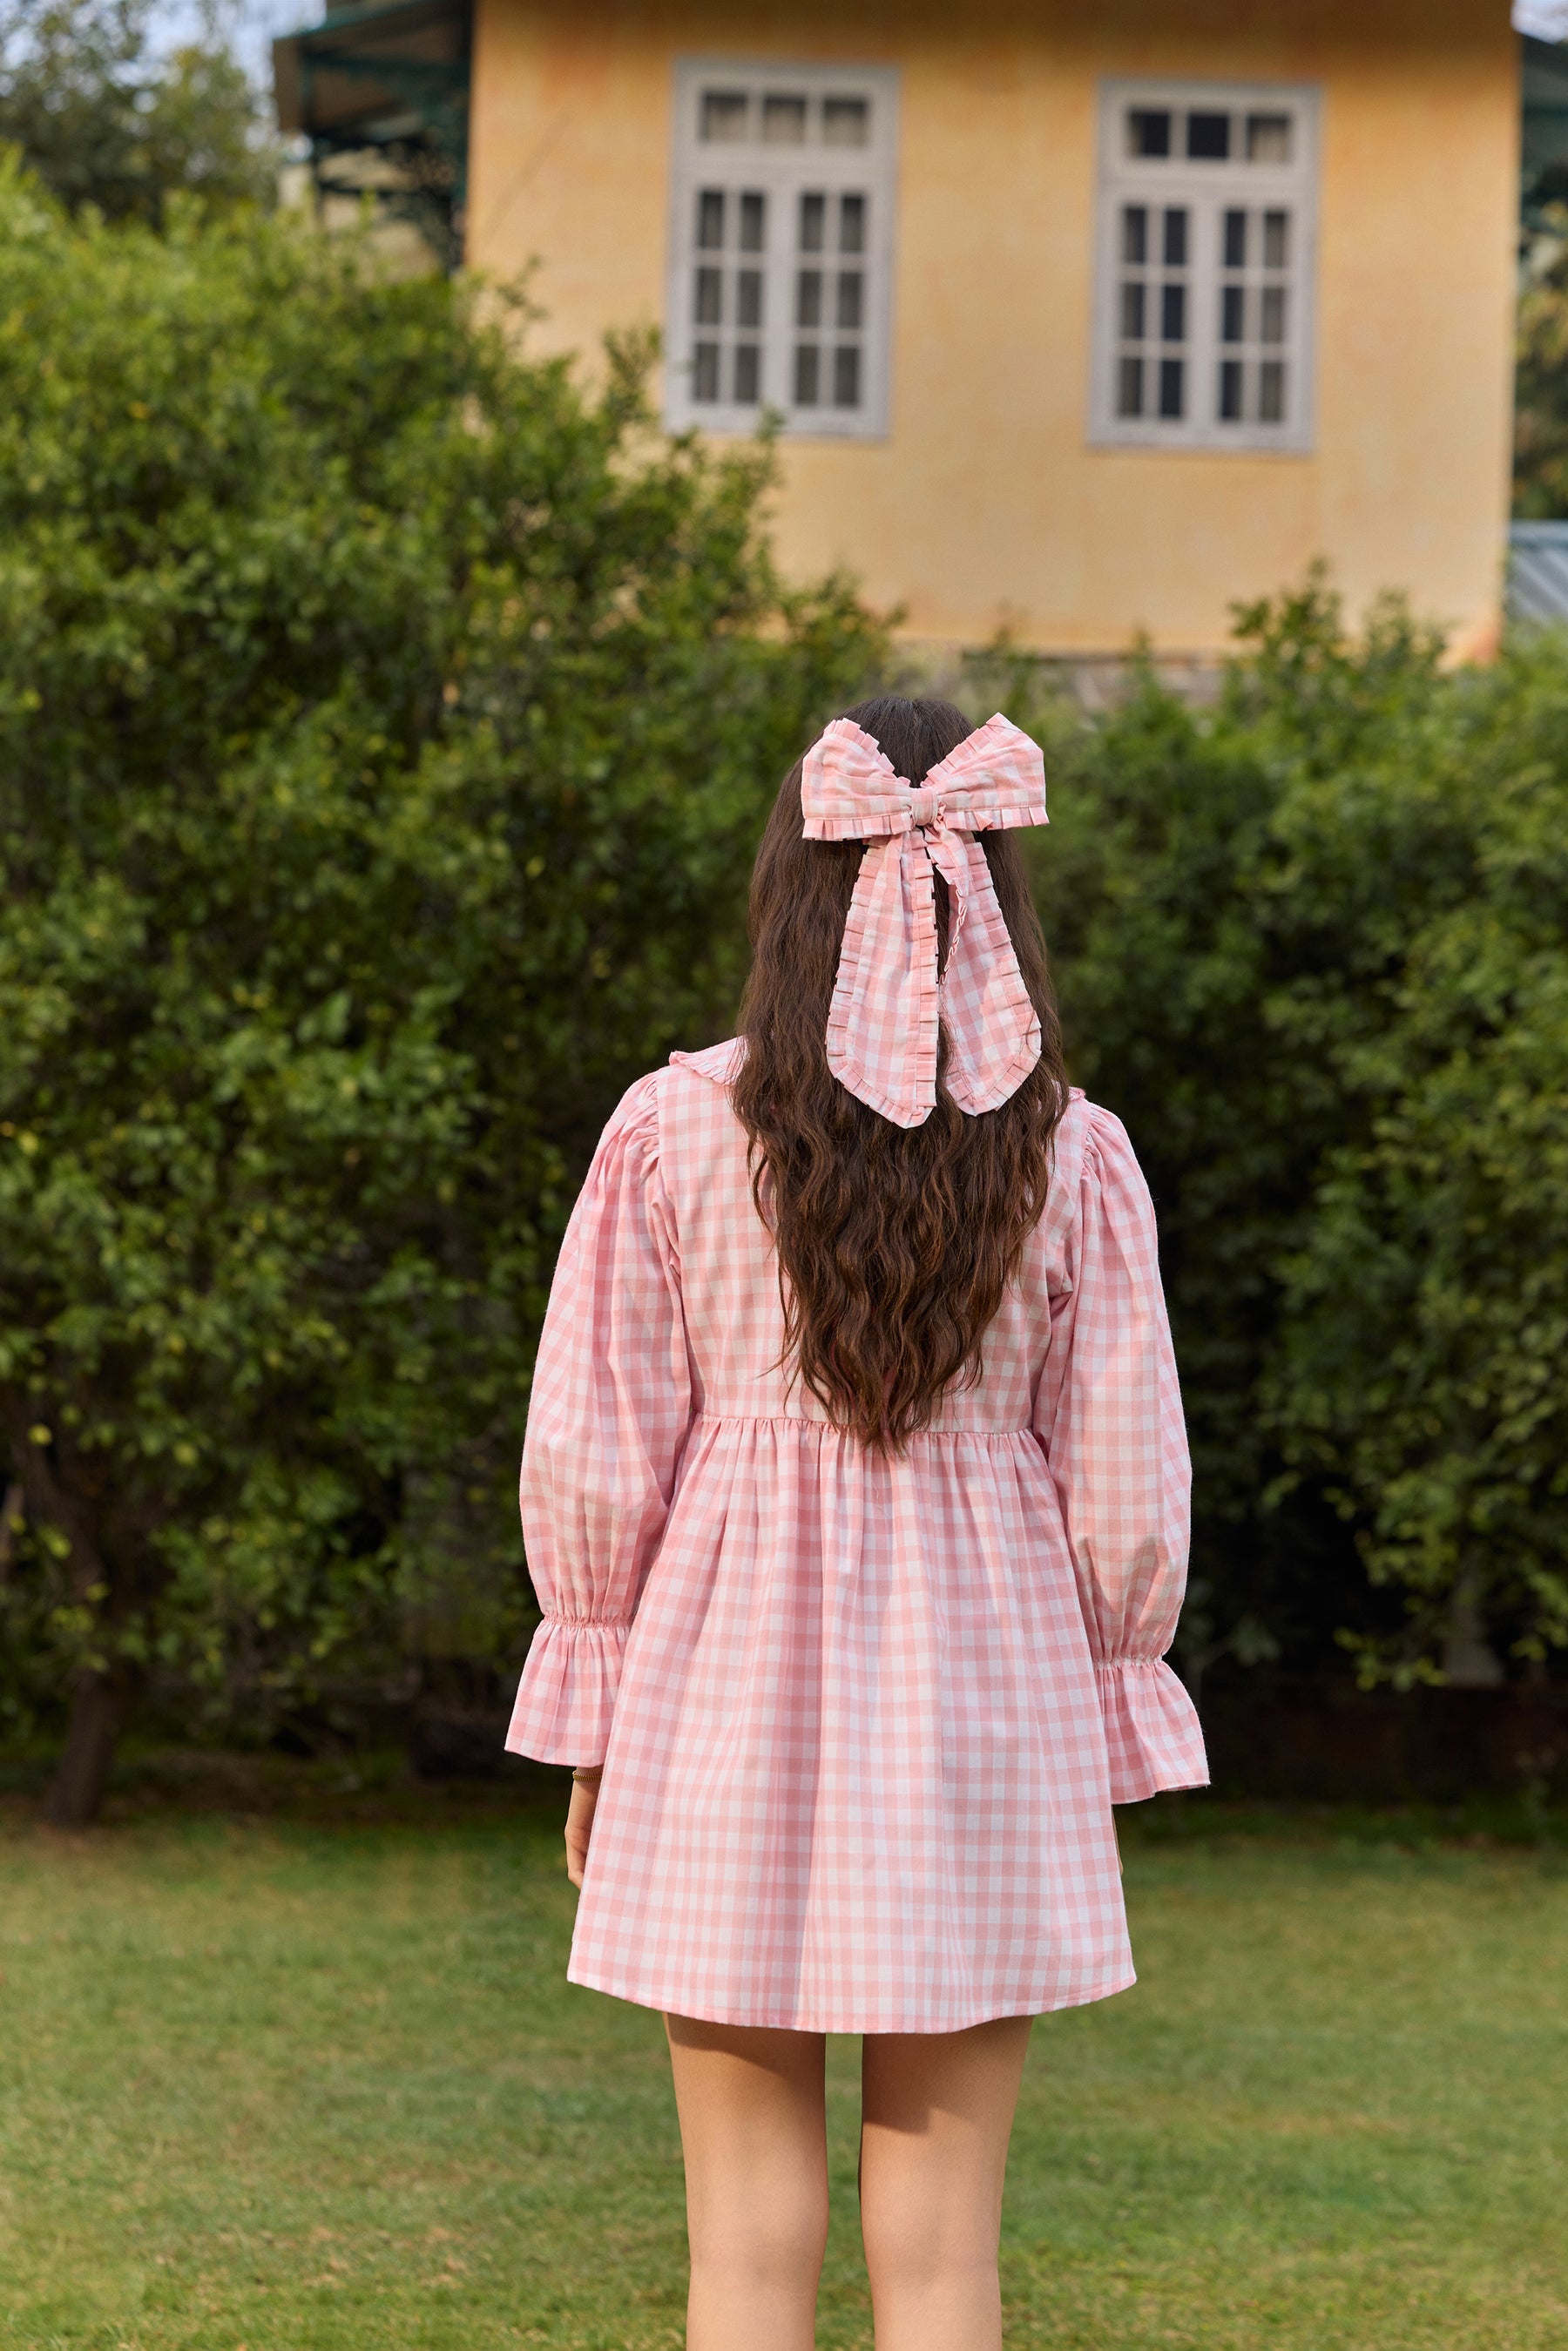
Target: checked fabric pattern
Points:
(863, 1721)
(888, 1004)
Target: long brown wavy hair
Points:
(896, 1244)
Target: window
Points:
(781, 247)
(1203, 282)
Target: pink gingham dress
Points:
(863, 1721)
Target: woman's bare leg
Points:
(936, 2113)
(754, 2133)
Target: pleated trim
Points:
(1153, 1736)
(721, 1063)
(567, 1694)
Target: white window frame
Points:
(1207, 189)
(783, 174)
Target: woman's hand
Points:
(580, 1820)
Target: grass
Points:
(269, 2082)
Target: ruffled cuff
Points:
(1152, 1737)
(567, 1694)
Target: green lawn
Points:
(269, 2083)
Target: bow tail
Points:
(993, 1028)
(887, 973)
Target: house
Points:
(1078, 317)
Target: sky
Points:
(252, 25)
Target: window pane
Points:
(710, 219)
(1130, 388)
(777, 249)
(1203, 229)
(846, 121)
(724, 114)
(1267, 138)
(784, 122)
(1208, 138)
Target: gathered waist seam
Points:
(831, 1428)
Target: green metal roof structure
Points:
(381, 90)
(1543, 128)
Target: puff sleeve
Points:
(607, 1418)
(1108, 1413)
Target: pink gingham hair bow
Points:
(887, 1005)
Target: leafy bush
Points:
(1313, 943)
(105, 119)
(1541, 375)
(385, 727)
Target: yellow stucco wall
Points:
(987, 503)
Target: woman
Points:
(855, 1493)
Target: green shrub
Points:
(1541, 375)
(1313, 943)
(385, 724)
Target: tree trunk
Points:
(1469, 1662)
(77, 1797)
